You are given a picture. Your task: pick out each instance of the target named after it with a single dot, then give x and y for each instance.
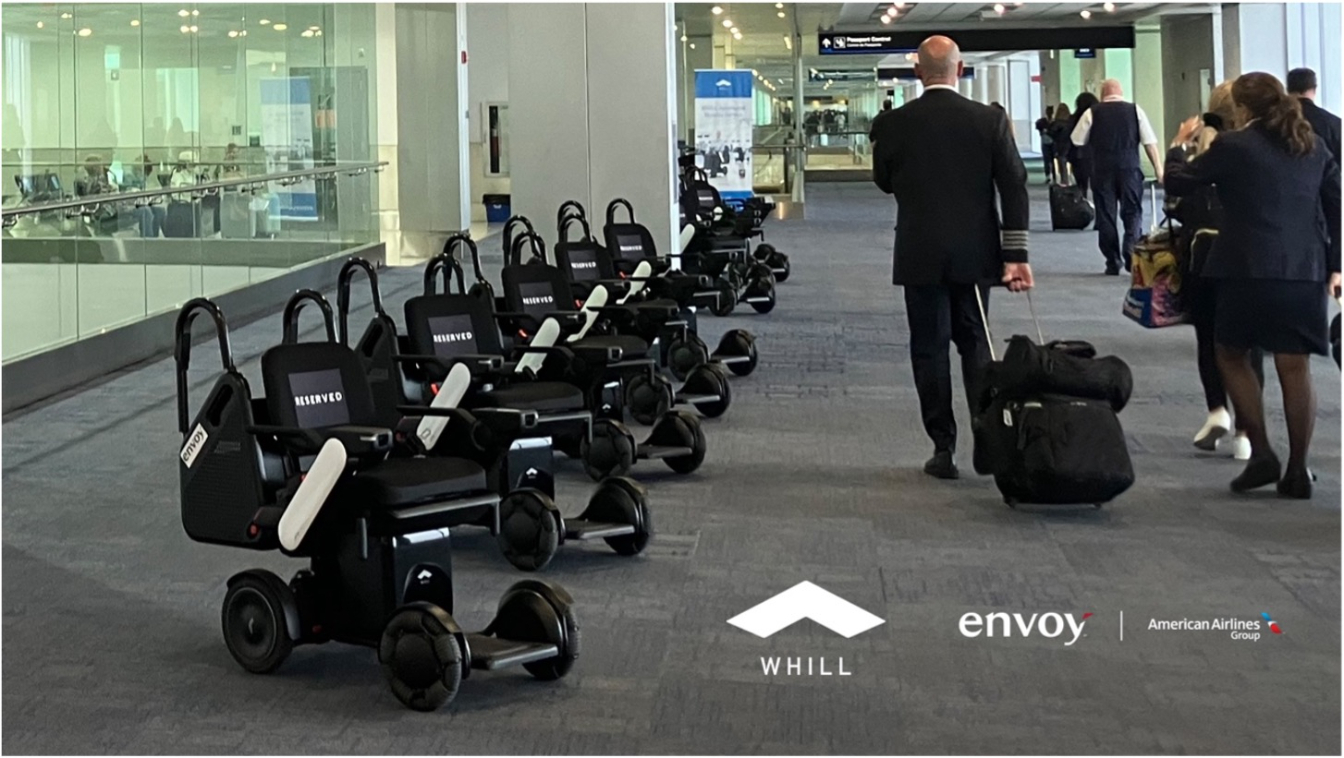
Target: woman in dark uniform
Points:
(1080, 156)
(1277, 257)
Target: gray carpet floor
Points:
(111, 615)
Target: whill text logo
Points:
(999, 624)
(451, 337)
(805, 600)
(321, 398)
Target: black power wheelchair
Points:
(586, 264)
(305, 470)
(439, 364)
(548, 374)
(536, 291)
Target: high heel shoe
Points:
(1217, 426)
(1260, 471)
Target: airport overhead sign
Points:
(859, 43)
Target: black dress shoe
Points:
(1129, 264)
(941, 465)
(1296, 484)
(1259, 472)
(1112, 271)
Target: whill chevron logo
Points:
(805, 600)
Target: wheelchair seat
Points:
(631, 347)
(398, 482)
(530, 396)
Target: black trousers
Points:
(940, 314)
(1112, 186)
(1048, 157)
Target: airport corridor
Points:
(112, 615)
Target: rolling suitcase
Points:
(1048, 436)
(1070, 208)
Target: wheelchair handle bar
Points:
(182, 349)
(295, 305)
(508, 230)
(570, 208)
(447, 264)
(617, 203)
(343, 280)
(568, 221)
(515, 256)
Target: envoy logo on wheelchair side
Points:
(805, 600)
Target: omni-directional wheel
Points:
(709, 380)
(611, 451)
(680, 429)
(540, 612)
(684, 353)
(763, 252)
(529, 529)
(727, 298)
(620, 500)
(779, 265)
(647, 397)
(421, 656)
(738, 343)
(760, 290)
(256, 618)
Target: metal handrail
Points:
(90, 203)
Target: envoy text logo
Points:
(1051, 625)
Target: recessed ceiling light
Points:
(67, 15)
(195, 28)
(780, 14)
(735, 30)
(683, 38)
(184, 28)
(40, 25)
(716, 10)
(233, 32)
(999, 9)
(738, 35)
(780, 6)
(86, 31)
(1110, 7)
(898, 4)
(279, 27)
(195, 13)
(314, 27)
(692, 45)
(184, 13)
(727, 23)
(264, 21)
(1085, 13)
(306, 33)
(886, 19)
(135, 22)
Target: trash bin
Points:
(497, 209)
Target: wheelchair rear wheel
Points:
(255, 623)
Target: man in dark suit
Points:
(1302, 85)
(945, 158)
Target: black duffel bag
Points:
(1045, 423)
(1062, 367)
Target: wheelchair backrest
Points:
(450, 325)
(536, 289)
(310, 385)
(582, 260)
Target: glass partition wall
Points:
(106, 99)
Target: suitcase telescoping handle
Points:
(984, 319)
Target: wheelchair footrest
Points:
(655, 452)
(726, 359)
(687, 399)
(490, 653)
(578, 529)
(755, 299)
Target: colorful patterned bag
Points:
(1154, 297)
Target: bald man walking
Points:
(1116, 129)
(945, 158)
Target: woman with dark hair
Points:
(1060, 129)
(1277, 259)
(1080, 156)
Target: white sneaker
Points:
(1219, 422)
(1240, 447)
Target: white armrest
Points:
(597, 300)
(317, 484)
(451, 392)
(687, 234)
(547, 335)
(642, 273)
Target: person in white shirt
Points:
(1115, 129)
